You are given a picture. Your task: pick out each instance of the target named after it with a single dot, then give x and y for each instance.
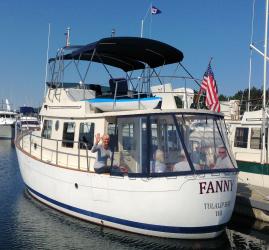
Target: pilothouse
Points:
(166, 163)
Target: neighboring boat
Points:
(188, 199)
(245, 137)
(248, 134)
(27, 119)
(7, 121)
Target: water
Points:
(28, 224)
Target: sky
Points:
(220, 29)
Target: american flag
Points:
(155, 11)
(210, 87)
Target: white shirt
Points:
(223, 163)
(182, 166)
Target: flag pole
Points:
(142, 21)
(150, 21)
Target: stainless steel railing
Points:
(47, 150)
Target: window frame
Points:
(238, 143)
(147, 173)
(67, 143)
(46, 127)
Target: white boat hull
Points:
(261, 180)
(6, 131)
(166, 207)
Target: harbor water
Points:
(28, 224)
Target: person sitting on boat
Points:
(103, 153)
(223, 160)
(158, 165)
(183, 164)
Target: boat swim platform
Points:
(252, 201)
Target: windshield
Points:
(174, 144)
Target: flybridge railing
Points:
(139, 87)
(48, 150)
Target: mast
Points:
(250, 59)
(264, 153)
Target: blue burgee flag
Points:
(155, 11)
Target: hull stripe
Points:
(253, 167)
(144, 226)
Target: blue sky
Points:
(200, 29)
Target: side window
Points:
(241, 137)
(86, 135)
(112, 131)
(128, 136)
(255, 138)
(68, 134)
(46, 131)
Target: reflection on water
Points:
(28, 224)
(246, 233)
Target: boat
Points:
(7, 121)
(27, 119)
(194, 201)
(245, 135)
(248, 133)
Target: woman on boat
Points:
(103, 153)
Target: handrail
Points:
(22, 137)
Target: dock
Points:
(252, 201)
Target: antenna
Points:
(67, 34)
(47, 59)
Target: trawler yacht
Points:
(7, 121)
(191, 196)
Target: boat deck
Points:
(252, 201)
(47, 151)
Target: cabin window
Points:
(151, 145)
(112, 131)
(128, 136)
(57, 124)
(131, 153)
(205, 141)
(46, 131)
(255, 138)
(68, 134)
(241, 137)
(86, 135)
(167, 154)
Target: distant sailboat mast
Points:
(264, 153)
(47, 60)
(250, 59)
